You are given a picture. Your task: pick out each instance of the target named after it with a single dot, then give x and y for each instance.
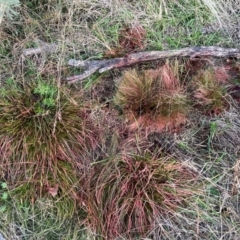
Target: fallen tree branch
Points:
(43, 48)
(104, 65)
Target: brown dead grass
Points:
(170, 123)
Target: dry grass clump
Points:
(209, 91)
(44, 134)
(153, 98)
(131, 39)
(126, 193)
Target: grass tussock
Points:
(44, 134)
(130, 39)
(153, 98)
(210, 91)
(126, 193)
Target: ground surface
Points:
(63, 179)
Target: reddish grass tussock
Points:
(209, 91)
(131, 39)
(153, 99)
(135, 92)
(42, 142)
(128, 192)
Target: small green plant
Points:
(45, 89)
(46, 93)
(127, 193)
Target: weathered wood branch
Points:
(92, 66)
(43, 48)
(101, 66)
